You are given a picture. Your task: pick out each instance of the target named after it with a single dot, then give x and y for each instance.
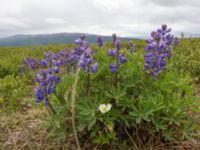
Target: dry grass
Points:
(26, 131)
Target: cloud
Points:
(174, 3)
(124, 17)
(55, 21)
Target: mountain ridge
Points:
(53, 38)
(66, 38)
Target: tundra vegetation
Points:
(120, 95)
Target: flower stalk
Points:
(120, 59)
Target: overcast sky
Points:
(124, 17)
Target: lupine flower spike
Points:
(100, 41)
(158, 49)
(86, 63)
(46, 86)
(116, 54)
(31, 62)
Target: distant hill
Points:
(44, 39)
(192, 35)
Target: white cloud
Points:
(111, 5)
(10, 8)
(124, 17)
(55, 21)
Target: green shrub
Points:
(187, 56)
(13, 90)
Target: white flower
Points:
(104, 108)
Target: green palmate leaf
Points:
(115, 93)
(169, 134)
(105, 138)
(87, 114)
(159, 122)
(176, 116)
(145, 109)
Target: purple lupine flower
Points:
(81, 40)
(78, 51)
(57, 62)
(77, 41)
(67, 58)
(114, 38)
(39, 94)
(114, 67)
(51, 88)
(122, 58)
(88, 52)
(85, 44)
(43, 63)
(56, 79)
(82, 36)
(95, 67)
(112, 52)
(71, 57)
(63, 56)
(158, 49)
(51, 59)
(86, 63)
(31, 62)
(39, 78)
(176, 41)
(47, 81)
(46, 101)
(82, 46)
(48, 55)
(89, 61)
(56, 69)
(118, 44)
(100, 41)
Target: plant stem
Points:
(68, 68)
(116, 74)
(73, 108)
(73, 104)
(88, 83)
(49, 104)
(51, 107)
(130, 137)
